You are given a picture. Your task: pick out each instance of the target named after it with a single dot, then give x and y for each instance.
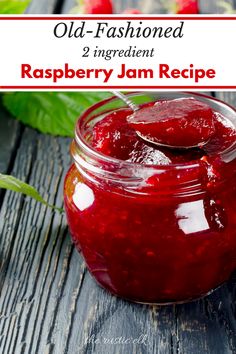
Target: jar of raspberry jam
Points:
(153, 224)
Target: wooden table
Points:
(49, 302)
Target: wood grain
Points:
(229, 97)
(9, 134)
(36, 252)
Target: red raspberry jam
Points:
(183, 122)
(154, 225)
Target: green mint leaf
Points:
(13, 6)
(51, 112)
(16, 185)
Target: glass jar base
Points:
(156, 303)
(165, 303)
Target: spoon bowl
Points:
(135, 108)
(151, 141)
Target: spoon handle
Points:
(125, 99)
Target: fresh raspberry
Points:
(187, 7)
(132, 12)
(96, 7)
(184, 122)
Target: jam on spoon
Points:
(180, 123)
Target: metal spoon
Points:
(135, 108)
(126, 100)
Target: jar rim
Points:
(82, 143)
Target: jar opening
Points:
(97, 164)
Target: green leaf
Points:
(16, 185)
(51, 112)
(13, 6)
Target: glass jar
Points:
(152, 234)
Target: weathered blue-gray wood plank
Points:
(9, 134)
